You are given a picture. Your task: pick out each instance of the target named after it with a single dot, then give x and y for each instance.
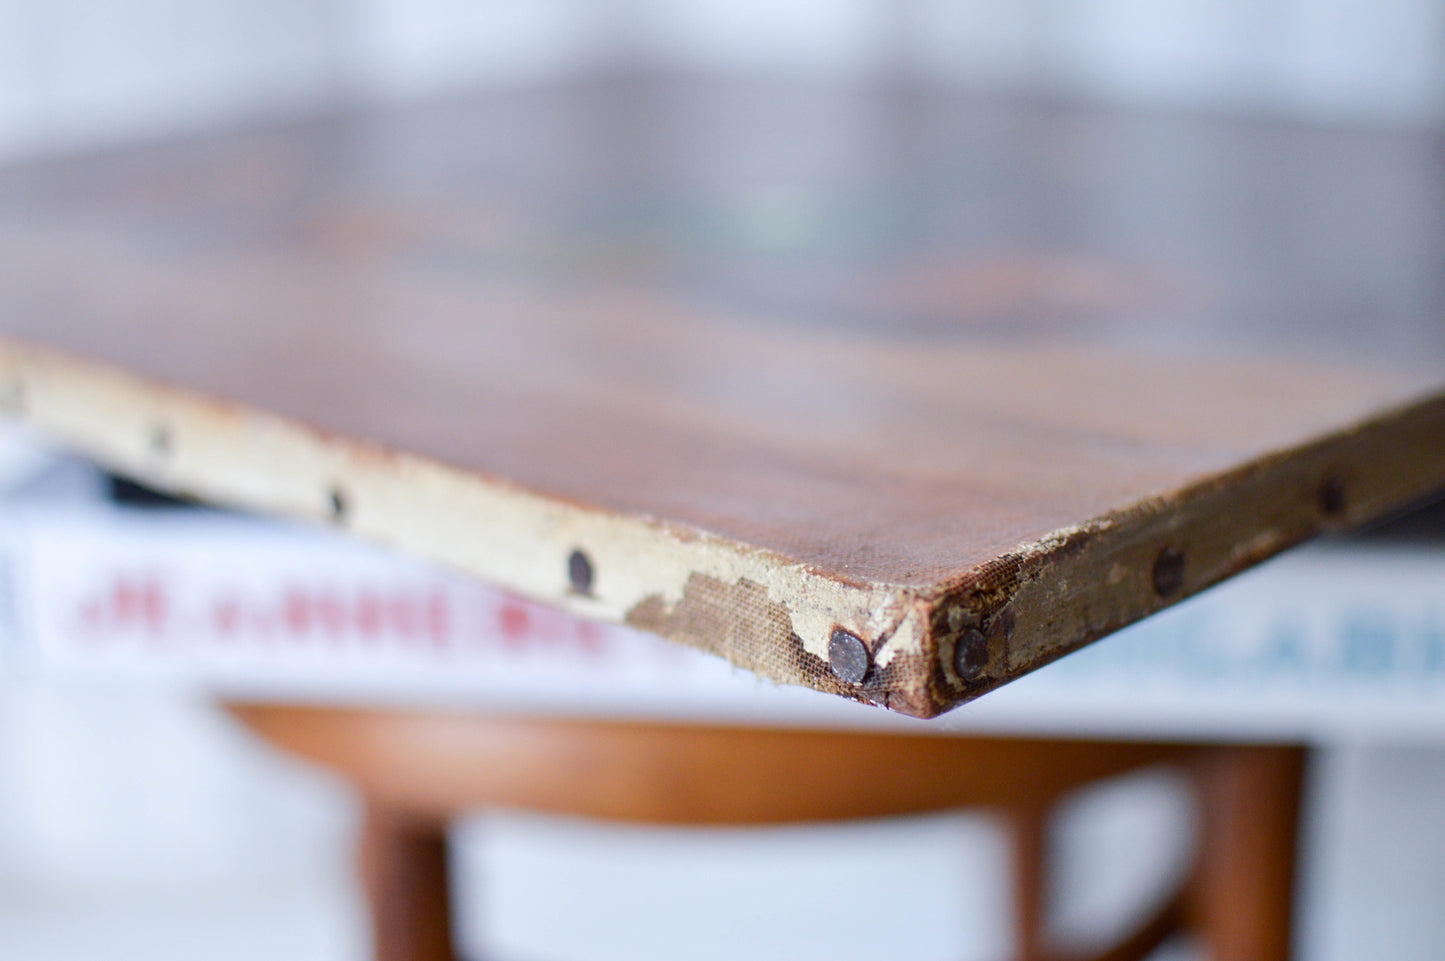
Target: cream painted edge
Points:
(182, 441)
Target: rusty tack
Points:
(1332, 496)
(970, 654)
(579, 572)
(1168, 572)
(848, 657)
(337, 499)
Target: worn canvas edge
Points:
(650, 574)
(1056, 595)
(927, 650)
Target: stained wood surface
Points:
(946, 387)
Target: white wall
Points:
(80, 71)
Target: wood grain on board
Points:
(896, 394)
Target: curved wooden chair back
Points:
(418, 770)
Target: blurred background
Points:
(85, 71)
(144, 824)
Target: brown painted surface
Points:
(986, 362)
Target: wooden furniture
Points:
(892, 393)
(419, 770)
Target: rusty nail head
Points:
(579, 572)
(1332, 495)
(338, 504)
(1168, 572)
(970, 654)
(847, 656)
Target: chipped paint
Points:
(507, 535)
(760, 609)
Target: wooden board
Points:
(897, 395)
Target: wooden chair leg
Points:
(404, 871)
(1243, 892)
(1028, 830)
